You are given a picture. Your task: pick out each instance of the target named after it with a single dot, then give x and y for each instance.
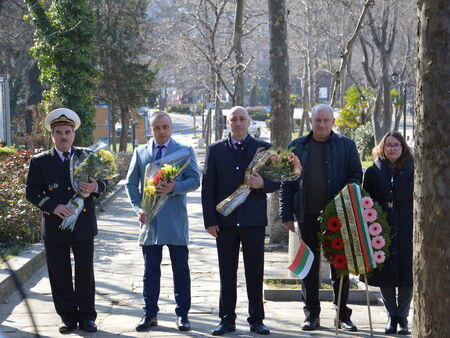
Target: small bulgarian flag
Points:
(303, 261)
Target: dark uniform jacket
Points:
(48, 185)
(342, 167)
(224, 171)
(394, 192)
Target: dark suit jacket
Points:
(224, 171)
(48, 184)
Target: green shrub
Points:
(5, 152)
(179, 109)
(363, 137)
(19, 219)
(258, 113)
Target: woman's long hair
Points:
(407, 154)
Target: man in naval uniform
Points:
(49, 188)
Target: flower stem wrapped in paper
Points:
(163, 170)
(274, 165)
(93, 162)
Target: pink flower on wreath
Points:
(370, 215)
(366, 202)
(375, 229)
(379, 257)
(378, 242)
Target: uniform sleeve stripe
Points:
(41, 203)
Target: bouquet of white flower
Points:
(93, 162)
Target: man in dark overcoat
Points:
(225, 165)
(330, 161)
(49, 187)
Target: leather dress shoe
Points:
(391, 326)
(310, 324)
(145, 323)
(403, 324)
(88, 325)
(183, 323)
(66, 327)
(223, 328)
(259, 328)
(347, 325)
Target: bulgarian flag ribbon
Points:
(303, 261)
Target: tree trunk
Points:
(345, 55)
(253, 93)
(218, 119)
(377, 127)
(238, 55)
(279, 100)
(125, 119)
(113, 127)
(387, 102)
(431, 263)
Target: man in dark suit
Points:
(330, 161)
(49, 188)
(225, 165)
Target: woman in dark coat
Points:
(390, 181)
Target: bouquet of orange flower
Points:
(151, 201)
(163, 170)
(355, 234)
(274, 165)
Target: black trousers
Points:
(311, 283)
(228, 244)
(72, 303)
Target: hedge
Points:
(20, 220)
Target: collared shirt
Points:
(163, 150)
(61, 153)
(235, 142)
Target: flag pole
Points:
(339, 304)
(368, 305)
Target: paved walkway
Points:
(119, 302)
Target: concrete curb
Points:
(33, 258)
(25, 265)
(286, 294)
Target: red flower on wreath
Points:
(340, 261)
(337, 244)
(333, 224)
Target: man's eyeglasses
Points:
(396, 146)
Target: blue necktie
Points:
(159, 152)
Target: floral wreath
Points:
(331, 238)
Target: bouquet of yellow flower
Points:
(274, 165)
(93, 162)
(157, 172)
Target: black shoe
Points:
(310, 324)
(183, 323)
(391, 326)
(347, 325)
(223, 328)
(66, 327)
(145, 323)
(259, 328)
(88, 325)
(403, 324)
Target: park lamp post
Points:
(193, 108)
(5, 114)
(402, 93)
